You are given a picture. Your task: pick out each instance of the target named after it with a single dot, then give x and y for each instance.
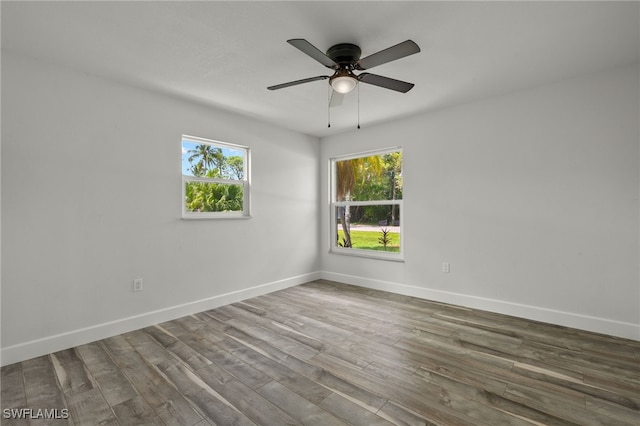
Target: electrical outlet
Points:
(446, 267)
(137, 284)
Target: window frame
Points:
(245, 182)
(334, 204)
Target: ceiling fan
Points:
(344, 59)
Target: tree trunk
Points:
(346, 225)
(393, 197)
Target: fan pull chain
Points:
(358, 106)
(329, 107)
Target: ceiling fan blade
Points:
(392, 53)
(336, 99)
(386, 82)
(295, 83)
(312, 51)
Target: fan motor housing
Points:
(344, 53)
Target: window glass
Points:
(215, 179)
(213, 197)
(206, 160)
(373, 177)
(367, 231)
(367, 204)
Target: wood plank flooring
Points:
(324, 353)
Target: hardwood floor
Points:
(330, 354)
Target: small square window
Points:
(215, 179)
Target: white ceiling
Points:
(226, 53)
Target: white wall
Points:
(532, 197)
(91, 188)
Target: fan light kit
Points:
(344, 58)
(343, 83)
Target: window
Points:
(215, 179)
(366, 204)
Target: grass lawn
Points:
(368, 240)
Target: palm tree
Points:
(209, 159)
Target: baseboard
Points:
(50, 344)
(566, 319)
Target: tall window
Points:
(215, 179)
(366, 204)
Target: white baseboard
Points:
(567, 319)
(58, 342)
(46, 345)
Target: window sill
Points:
(372, 254)
(216, 217)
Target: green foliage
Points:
(235, 166)
(210, 162)
(377, 177)
(372, 214)
(213, 197)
